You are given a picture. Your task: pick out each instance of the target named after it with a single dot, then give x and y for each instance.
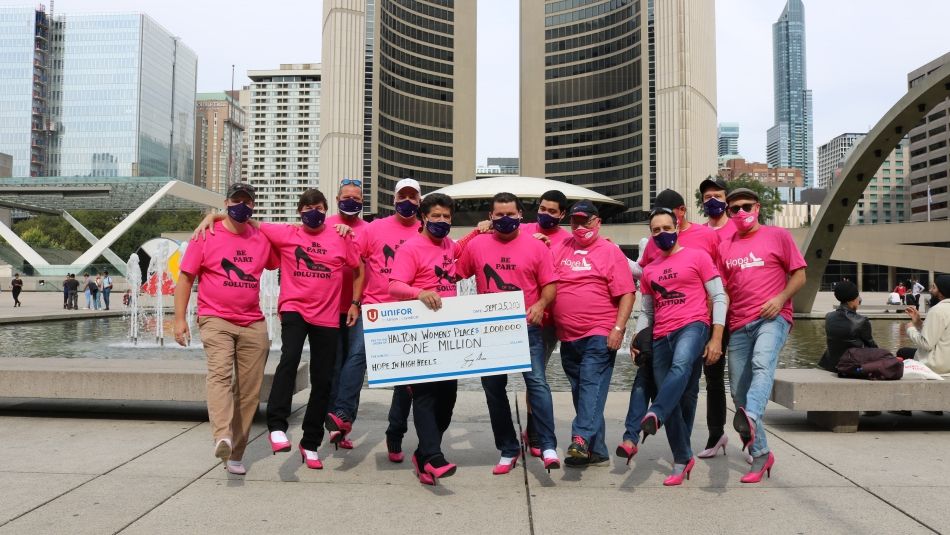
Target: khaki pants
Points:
(236, 357)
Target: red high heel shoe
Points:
(677, 479)
(278, 442)
(501, 469)
(745, 426)
(626, 451)
(424, 478)
(755, 476)
(338, 429)
(552, 463)
(310, 459)
(445, 470)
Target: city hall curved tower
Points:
(619, 95)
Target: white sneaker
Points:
(235, 467)
(222, 449)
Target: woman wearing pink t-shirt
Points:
(425, 270)
(676, 286)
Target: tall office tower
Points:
(244, 100)
(619, 96)
(25, 126)
(219, 133)
(728, 139)
(887, 195)
(283, 134)
(929, 154)
(96, 95)
(415, 67)
(790, 141)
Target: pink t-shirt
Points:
(557, 234)
(311, 271)
(726, 231)
(377, 243)
(591, 282)
(677, 285)
(755, 268)
(695, 237)
(524, 263)
(346, 293)
(427, 265)
(228, 267)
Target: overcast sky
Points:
(859, 54)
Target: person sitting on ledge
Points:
(844, 327)
(931, 338)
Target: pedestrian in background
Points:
(87, 291)
(106, 287)
(16, 286)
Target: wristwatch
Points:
(356, 303)
(618, 329)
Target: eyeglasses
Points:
(745, 207)
(351, 182)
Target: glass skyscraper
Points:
(119, 97)
(790, 141)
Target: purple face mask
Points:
(240, 212)
(665, 240)
(313, 218)
(407, 208)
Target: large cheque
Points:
(470, 336)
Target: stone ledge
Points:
(117, 379)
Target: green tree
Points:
(35, 237)
(768, 197)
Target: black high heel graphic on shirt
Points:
(664, 293)
(500, 283)
(229, 266)
(300, 254)
(443, 275)
(388, 254)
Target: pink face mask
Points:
(744, 221)
(586, 236)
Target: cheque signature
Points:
(470, 360)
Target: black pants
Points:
(716, 392)
(294, 331)
(399, 413)
(16, 295)
(433, 404)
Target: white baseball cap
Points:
(408, 183)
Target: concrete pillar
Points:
(891, 278)
(860, 276)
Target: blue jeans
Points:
(105, 296)
(589, 364)
(539, 397)
(677, 367)
(351, 373)
(753, 356)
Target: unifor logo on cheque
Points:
(374, 314)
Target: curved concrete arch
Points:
(864, 161)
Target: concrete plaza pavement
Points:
(107, 467)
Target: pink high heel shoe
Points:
(745, 426)
(310, 459)
(648, 426)
(424, 478)
(552, 463)
(445, 470)
(677, 479)
(711, 452)
(532, 450)
(755, 476)
(338, 429)
(501, 469)
(278, 442)
(626, 452)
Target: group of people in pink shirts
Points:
(722, 287)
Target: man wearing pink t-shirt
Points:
(426, 270)
(594, 299)
(676, 287)
(229, 267)
(713, 192)
(378, 242)
(510, 259)
(349, 201)
(763, 270)
(313, 261)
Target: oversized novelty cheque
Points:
(469, 336)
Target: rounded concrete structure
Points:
(473, 198)
(864, 161)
